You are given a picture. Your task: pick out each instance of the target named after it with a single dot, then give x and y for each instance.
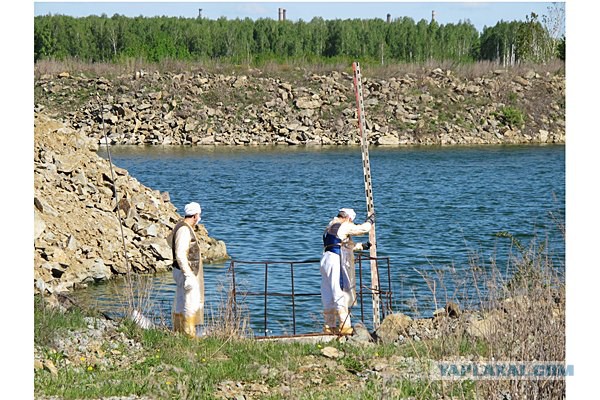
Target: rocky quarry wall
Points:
(77, 232)
(195, 107)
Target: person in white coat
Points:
(338, 284)
(188, 310)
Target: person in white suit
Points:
(188, 310)
(338, 284)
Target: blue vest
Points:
(331, 241)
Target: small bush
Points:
(511, 116)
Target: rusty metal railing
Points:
(384, 295)
(364, 286)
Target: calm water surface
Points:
(437, 209)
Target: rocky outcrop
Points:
(195, 107)
(77, 231)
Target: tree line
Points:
(245, 41)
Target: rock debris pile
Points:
(77, 231)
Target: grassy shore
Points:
(81, 356)
(168, 365)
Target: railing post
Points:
(293, 300)
(233, 291)
(362, 308)
(266, 288)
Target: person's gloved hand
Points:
(188, 283)
(371, 218)
(366, 245)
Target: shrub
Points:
(511, 116)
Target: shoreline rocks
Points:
(195, 107)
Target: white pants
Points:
(332, 295)
(336, 301)
(188, 309)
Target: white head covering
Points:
(350, 213)
(192, 209)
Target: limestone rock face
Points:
(77, 233)
(431, 107)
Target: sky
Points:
(480, 14)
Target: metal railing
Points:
(365, 290)
(384, 295)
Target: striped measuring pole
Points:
(368, 191)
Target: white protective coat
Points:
(189, 279)
(337, 302)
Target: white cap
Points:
(350, 213)
(192, 209)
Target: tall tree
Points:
(554, 22)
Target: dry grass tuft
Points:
(519, 318)
(229, 319)
(377, 71)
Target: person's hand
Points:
(366, 245)
(371, 219)
(188, 284)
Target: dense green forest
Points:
(244, 41)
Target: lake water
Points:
(438, 209)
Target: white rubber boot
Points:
(345, 323)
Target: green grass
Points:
(172, 366)
(49, 321)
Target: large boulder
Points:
(485, 327)
(392, 327)
(388, 140)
